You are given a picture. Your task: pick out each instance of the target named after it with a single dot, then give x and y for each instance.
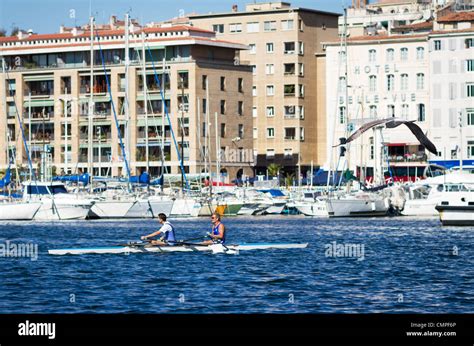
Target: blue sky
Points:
(45, 16)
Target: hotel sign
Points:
(375, 98)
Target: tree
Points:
(273, 169)
(3, 32)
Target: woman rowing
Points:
(167, 230)
(217, 233)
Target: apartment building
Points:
(287, 90)
(423, 74)
(48, 82)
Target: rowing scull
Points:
(179, 248)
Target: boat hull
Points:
(180, 248)
(18, 211)
(110, 209)
(462, 215)
(62, 210)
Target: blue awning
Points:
(451, 163)
(273, 192)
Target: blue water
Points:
(408, 267)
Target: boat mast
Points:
(182, 131)
(208, 136)
(145, 98)
(127, 106)
(66, 134)
(29, 127)
(217, 151)
(198, 133)
(163, 113)
(91, 101)
(460, 142)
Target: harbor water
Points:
(395, 265)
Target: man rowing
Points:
(168, 237)
(217, 233)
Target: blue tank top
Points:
(215, 231)
(169, 235)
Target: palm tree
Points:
(273, 169)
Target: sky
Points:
(45, 16)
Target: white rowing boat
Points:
(215, 248)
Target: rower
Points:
(218, 231)
(168, 237)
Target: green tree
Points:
(3, 32)
(15, 31)
(273, 169)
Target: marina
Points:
(415, 258)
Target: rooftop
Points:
(457, 17)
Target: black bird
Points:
(391, 123)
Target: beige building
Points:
(45, 71)
(288, 78)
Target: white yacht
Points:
(18, 210)
(425, 195)
(456, 205)
(56, 202)
(150, 206)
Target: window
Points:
(254, 112)
(470, 116)
(405, 109)
(290, 111)
(288, 154)
(222, 83)
(253, 27)
(240, 108)
(254, 69)
(270, 111)
(218, 28)
(342, 56)
(470, 149)
(470, 65)
(255, 133)
(301, 133)
(301, 69)
(240, 131)
(222, 130)
(469, 43)
(269, 69)
(270, 90)
(289, 69)
(270, 132)
(270, 153)
(183, 80)
(287, 24)
(289, 89)
(254, 90)
(404, 54)
(300, 25)
(437, 44)
(404, 82)
(301, 111)
(391, 111)
(240, 85)
(342, 115)
(372, 55)
(470, 89)
(390, 54)
(421, 112)
(11, 87)
(252, 48)
(223, 106)
(373, 111)
(372, 83)
(420, 53)
(289, 48)
(204, 106)
(390, 82)
(301, 48)
(372, 148)
(420, 81)
(290, 133)
(270, 47)
(235, 27)
(452, 91)
(342, 84)
(301, 90)
(269, 26)
(204, 82)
